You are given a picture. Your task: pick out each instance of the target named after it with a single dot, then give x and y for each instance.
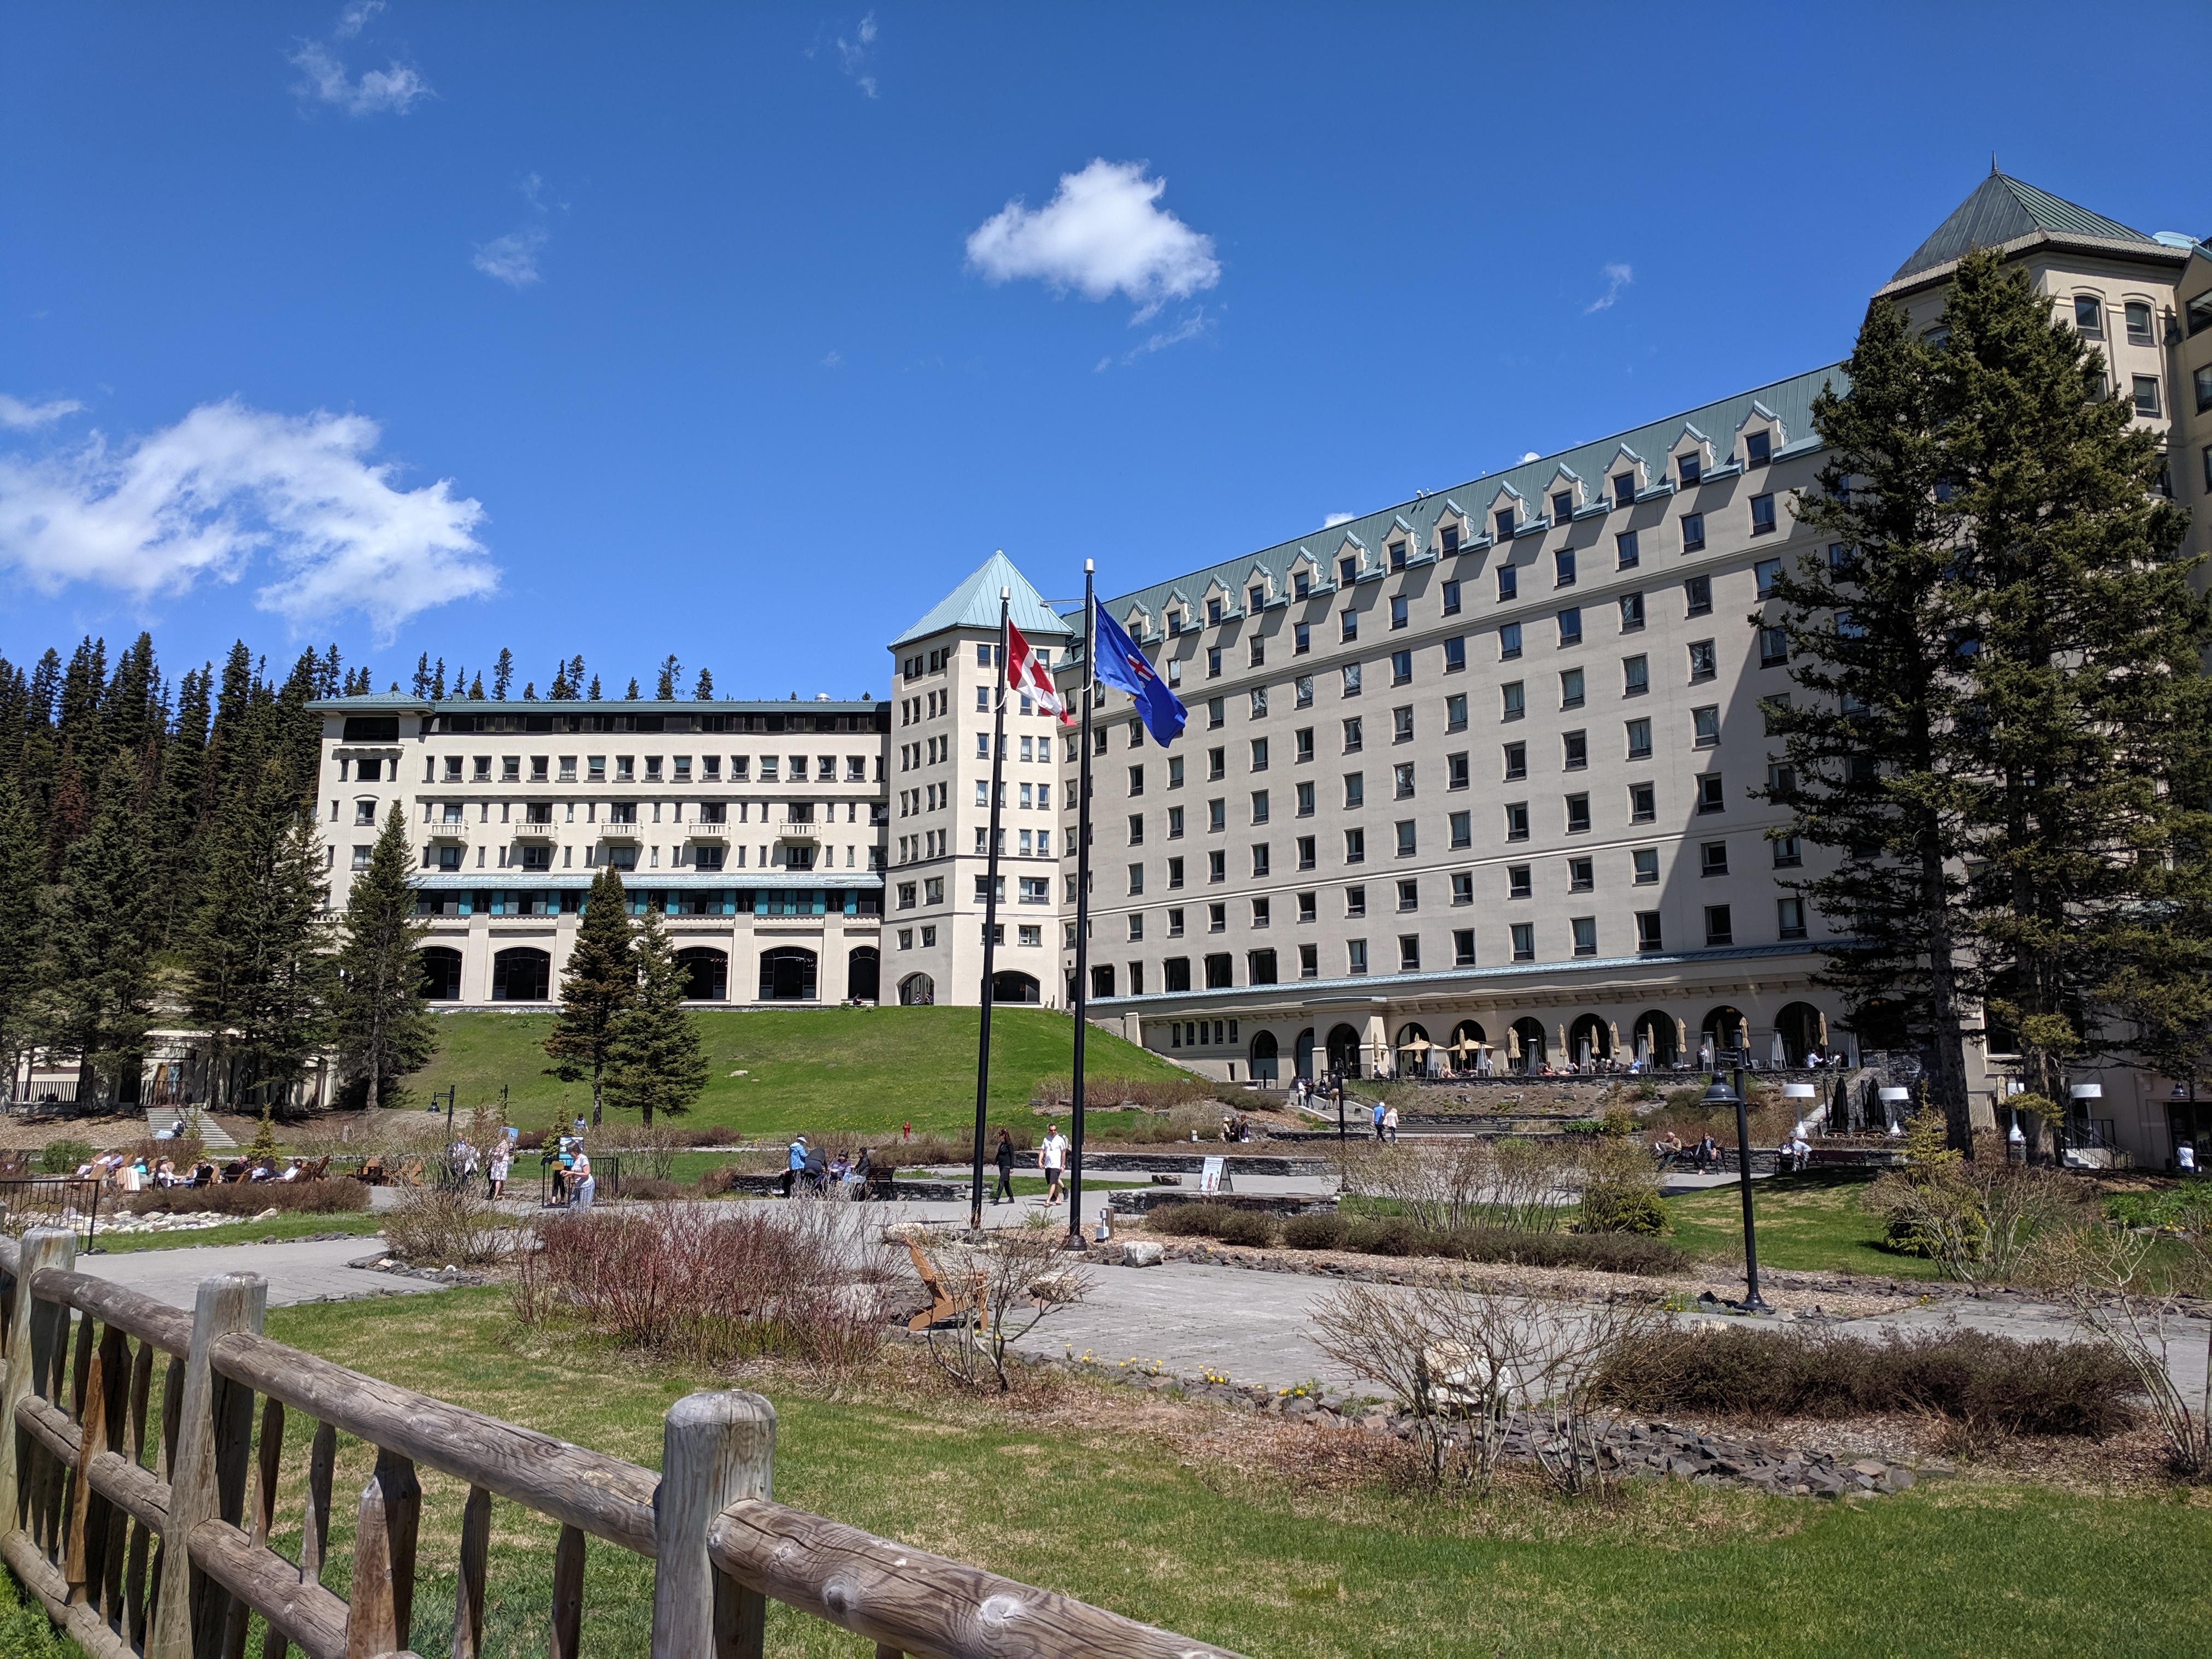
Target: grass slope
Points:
(1810, 1223)
(823, 1070)
(1260, 1564)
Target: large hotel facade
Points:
(1480, 766)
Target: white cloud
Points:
(513, 258)
(1530, 456)
(397, 88)
(1617, 278)
(201, 499)
(354, 18)
(19, 417)
(1333, 519)
(1101, 233)
(831, 360)
(854, 55)
(1189, 328)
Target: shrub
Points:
(1988, 1383)
(1321, 1232)
(653, 1189)
(1199, 1219)
(1614, 1206)
(447, 1227)
(65, 1156)
(334, 1196)
(1389, 1236)
(1105, 1093)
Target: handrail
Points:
(94, 1533)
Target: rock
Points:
(1899, 1479)
(1141, 1254)
(1870, 1469)
(266, 1213)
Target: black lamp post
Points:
(1720, 1093)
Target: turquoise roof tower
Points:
(975, 603)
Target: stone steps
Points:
(212, 1134)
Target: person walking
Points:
(1376, 1118)
(1391, 1124)
(796, 1163)
(580, 1181)
(496, 1172)
(1005, 1158)
(1052, 1156)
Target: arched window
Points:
(1528, 1037)
(1263, 1057)
(1802, 1029)
(706, 973)
(1011, 986)
(1305, 1053)
(863, 973)
(441, 973)
(521, 974)
(1728, 1030)
(1343, 1051)
(917, 991)
(1655, 1037)
(1466, 1045)
(1412, 1051)
(787, 974)
(1589, 1040)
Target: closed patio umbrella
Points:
(1681, 1035)
(1777, 1055)
(1824, 1030)
(1612, 1030)
(1512, 1043)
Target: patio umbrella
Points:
(1682, 1036)
(1824, 1030)
(1512, 1043)
(1562, 1039)
(1612, 1030)
(1643, 1046)
(1743, 1034)
(1777, 1055)
(1466, 1046)
(1418, 1045)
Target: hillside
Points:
(816, 1069)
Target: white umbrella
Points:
(1777, 1055)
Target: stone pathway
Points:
(298, 1270)
(212, 1134)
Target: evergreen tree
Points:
(530, 691)
(381, 1028)
(659, 1063)
(594, 693)
(438, 682)
(576, 675)
(475, 687)
(632, 694)
(559, 691)
(502, 674)
(705, 688)
(22, 927)
(103, 979)
(420, 684)
(598, 987)
(664, 689)
(175, 822)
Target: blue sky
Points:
(711, 330)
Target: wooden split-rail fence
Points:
(146, 1537)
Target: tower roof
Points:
(975, 603)
(2003, 209)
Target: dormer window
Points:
(1505, 521)
(1758, 448)
(1258, 599)
(1562, 506)
(1449, 535)
(1213, 613)
(1397, 556)
(1301, 584)
(1347, 570)
(1174, 624)
(1690, 469)
(1624, 488)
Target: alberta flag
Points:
(1121, 664)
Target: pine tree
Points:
(664, 689)
(599, 984)
(559, 692)
(632, 694)
(595, 688)
(705, 689)
(22, 927)
(659, 1062)
(103, 979)
(438, 682)
(530, 691)
(476, 688)
(576, 675)
(379, 1025)
(420, 683)
(502, 674)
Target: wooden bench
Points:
(944, 1302)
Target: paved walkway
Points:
(297, 1270)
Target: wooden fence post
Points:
(41, 1247)
(716, 1448)
(227, 1303)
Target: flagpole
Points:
(990, 911)
(1082, 912)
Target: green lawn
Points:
(1811, 1223)
(243, 1232)
(821, 1070)
(1266, 1565)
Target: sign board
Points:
(1214, 1176)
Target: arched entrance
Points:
(1589, 1041)
(1011, 986)
(1343, 1051)
(1655, 1037)
(1527, 1036)
(706, 973)
(521, 974)
(1305, 1054)
(863, 973)
(1467, 1040)
(787, 974)
(1263, 1057)
(1729, 1032)
(441, 973)
(1801, 1028)
(917, 991)
(1412, 1051)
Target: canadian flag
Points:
(1026, 674)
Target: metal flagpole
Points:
(1082, 910)
(990, 912)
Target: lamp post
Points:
(1893, 1121)
(1803, 1094)
(1720, 1093)
(2082, 1094)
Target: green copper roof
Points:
(975, 603)
(2002, 209)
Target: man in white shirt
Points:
(1052, 1158)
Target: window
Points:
(1709, 793)
(1136, 879)
(1463, 947)
(1216, 763)
(1355, 789)
(1175, 771)
(1570, 688)
(1508, 641)
(1355, 847)
(1175, 926)
(1582, 875)
(1448, 535)
(1217, 918)
(1260, 860)
(1758, 448)
(1455, 655)
(1217, 815)
(1409, 953)
(2146, 394)
(1635, 675)
(1455, 771)
(1585, 934)
(2088, 314)
(1624, 488)
(1516, 821)
(1174, 824)
(1409, 896)
(1508, 582)
(1258, 754)
(1789, 918)
(1301, 584)
(1455, 712)
(1788, 855)
(1463, 829)
(1301, 691)
(1305, 852)
(1645, 863)
(1689, 469)
(1136, 828)
(1462, 882)
(1401, 668)
(1399, 611)
(1639, 739)
(1578, 816)
(1571, 626)
(1301, 635)
(1217, 972)
(1401, 725)
(1574, 750)
(1563, 506)
(1305, 799)
(1402, 781)
(1214, 662)
(1303, 738)
(1705, 726)
(1762, 509)
(1348, 623)
(1773, 647)
(2204, 389)
(1642, 802)
(1712, 858)
(1698, 596)
(1781, 781)
(1718, 930)
(1524, 941)
(1355, 955)
(1703, 665)
(1632, 612)
(1624, 547)
(1351, 673)
(1136, 778)
(1517, 883)
(1451, 595)
(1647, 931)
(2197, 313)
(1256, 652)
(1503, 519)
(361, 855)
(1347, 570)
(1693, 532)
(1406, 838)
(1513, 700)
(1352, 729)
(1516, 761)
(1355, 901)
(1563, 568)
(1175, 873)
